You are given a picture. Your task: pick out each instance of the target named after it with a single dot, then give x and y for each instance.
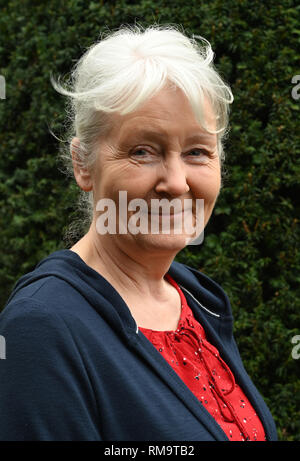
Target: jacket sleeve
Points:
(45, 392)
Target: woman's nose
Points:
(172, 177)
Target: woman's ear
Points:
(82, 175)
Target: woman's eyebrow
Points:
(206, 137)
(162, 135)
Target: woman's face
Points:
(159, 152)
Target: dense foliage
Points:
(250, 244)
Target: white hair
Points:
(130, 65)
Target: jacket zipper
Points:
(201, 305)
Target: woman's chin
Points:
(162, 242)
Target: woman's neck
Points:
(133, 272)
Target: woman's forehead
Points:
(166, 115)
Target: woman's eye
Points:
(144, 155)
(197, 152)
(140, 152)
(199, 155)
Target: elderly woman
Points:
(112, 339)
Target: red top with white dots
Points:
(201, 368)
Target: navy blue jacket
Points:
(78, 368)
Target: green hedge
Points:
(250, 244)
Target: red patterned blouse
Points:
(201, 368)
